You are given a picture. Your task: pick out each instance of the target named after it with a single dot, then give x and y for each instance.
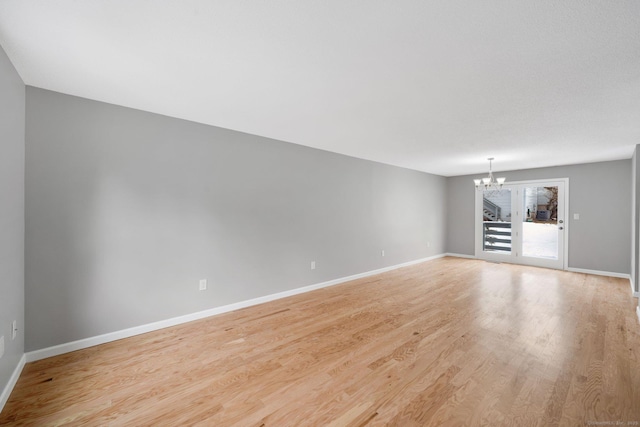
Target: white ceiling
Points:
(436, 86)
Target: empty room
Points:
(407, 213)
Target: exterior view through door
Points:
(523, 223)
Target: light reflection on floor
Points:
(503, 287)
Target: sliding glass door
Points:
(522, 223)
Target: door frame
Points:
(510, 257)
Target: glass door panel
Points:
(496, 221)
(540, 222)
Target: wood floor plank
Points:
(446, 342)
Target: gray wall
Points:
(599, 192)
(127, 210)
(12, 114)
(635, 221)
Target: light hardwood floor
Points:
(448, 342)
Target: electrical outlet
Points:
(313, 265)
(203, 284)
(14, 329)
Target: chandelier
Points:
(489, 182)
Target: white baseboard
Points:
(460, 255)
(137, 330)
(12, 382)
(633, 288)
(599, 273)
